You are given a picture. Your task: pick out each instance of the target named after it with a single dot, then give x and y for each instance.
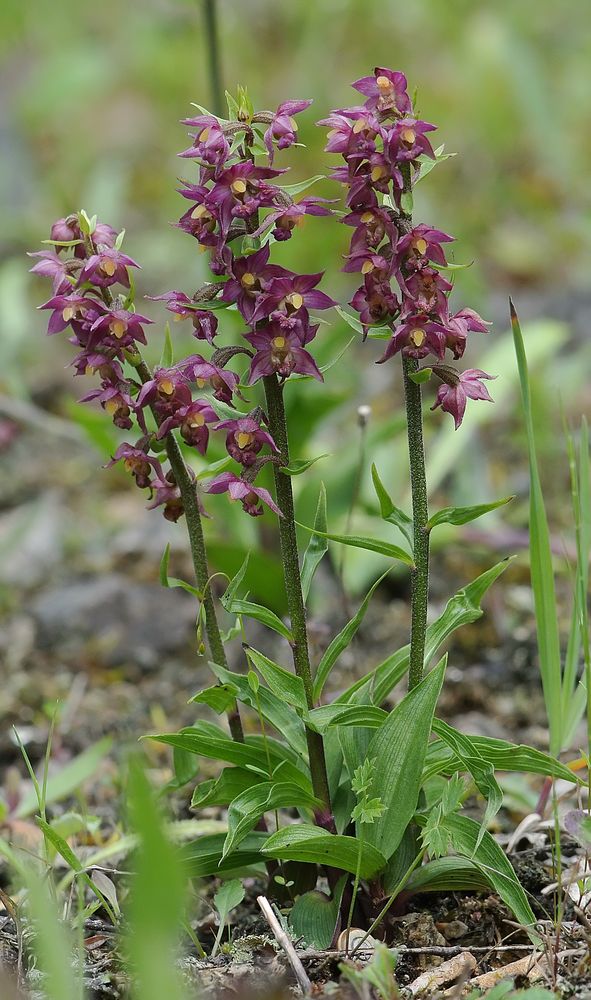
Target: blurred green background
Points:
(93, 94)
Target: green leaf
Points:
(283, 683)
(399, 747)
(421, 376)
(354, 323)
(64, 783)
(265, 616)
(314, 916)
(388, 509)
(203, 857)
(171, 581)
(317, 546)
(220, 697)
(303, 185)
(503, 756)
(462, 609)
(220, 791)
(448, 875)
(304, 842)
(167, 356)
(275, 710)
(427, 164)
(296, 468)
(341, 642)
(462, 515)
(226, 899)
(208, 740)
(246, 810)
(542, 575)
(406, 202)
(481, 770)
(323, 718)
(494, 864)
(369, 544)
(63, 848)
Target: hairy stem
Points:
(198, 553)
(420, 513)
(293, 584)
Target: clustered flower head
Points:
(237, 210)
(382, 143)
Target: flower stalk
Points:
(420, 514)
(293, 583)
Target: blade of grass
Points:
(542, 575)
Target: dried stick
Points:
(283, 940)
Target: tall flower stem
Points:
(293, 584)
(198, 553)
(420, 513)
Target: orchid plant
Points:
(310, 753)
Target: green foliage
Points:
(226, 899)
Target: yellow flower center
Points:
(367, 217)
(296, 300)
(367, 266)
(294, 124)
(238, 186)
(278, 342)
(418, 337)
(108, 267)
(378, 172)
(243, 439)
(383, 83)
(200, 382)
(111, 406)
(118, 328)
(203, 136)
(197, 420)
(177, 317)
(359, 125)
(408, 135)
(166, 387)
(199, 211)
(420, 245)
(247, 280)
(68, 313)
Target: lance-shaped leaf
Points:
(204, 856)
(399, 748)
(304, 842)
(542, 574)
(449, 874)
(265, 616)
(388, 509)
(341, 641)
(361, 542)
(282, 682)
(276, 710)
(462, 515)
(220, 697)
(303, 185)
(503, 756)
(481, 770)
(301, 465)
(367, 716)
(314, 916)
(317, 546)
(248, 807)
(63, 848)
(493, 863)
(462, 609)
(220, 791)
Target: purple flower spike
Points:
(222, 381)
(457, 388)
(118, 329)
(56, 268)
(192, 421)
(250, 277)
(251, 497)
